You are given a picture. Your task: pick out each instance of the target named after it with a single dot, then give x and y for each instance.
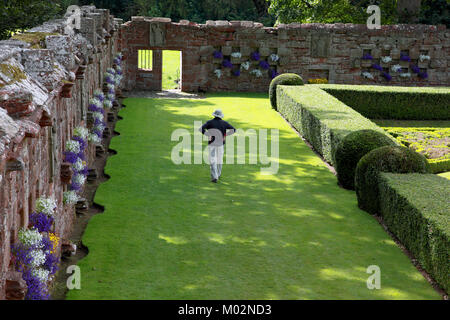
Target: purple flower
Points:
(237, 72)
(109, 80)
(255, 56)
(415, 69)
(70, 157)
(116, 61)
(273, 73)
(21, 256)
(377, 67)
(41, 221)
(218, 54)
(387, 76)
(423, 75)
(264, 64)
(99, 133)
(227, 63)
(83, 143)
(51, 263)
(37, 290)
(367, 56)
(100, 97)
(405, 57)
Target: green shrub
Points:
(352, 148)
(287, 79)
(416, 209)
(384, 159)
(439, 165)
(401, 103)
(320, 118)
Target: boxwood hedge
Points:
(384, 159)
(352, 148)
(320, 118)
(401, 103)
(420, 218)
(286, 79)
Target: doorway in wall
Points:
(171, 70)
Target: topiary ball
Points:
(352, 148)
(384, 159)
(286, 79)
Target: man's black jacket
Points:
(221, 125)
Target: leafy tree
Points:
(435, 12)
(330, 11)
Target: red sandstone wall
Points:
(331, 51)
(33, 106)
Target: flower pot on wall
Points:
(66, 91)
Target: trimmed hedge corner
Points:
(401, 103)
(352, 148)
(320, 118)
(384, 159)
(287, 79)
(420, 218)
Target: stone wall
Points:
(46, 81)
(332, 51)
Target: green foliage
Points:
(439, 165)
(320, 118)
(330, 11)
(435, 12)
(416, 209)
(352, 148)
(18, 15)
(287, 79)
(384, 159)
(383, 102)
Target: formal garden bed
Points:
(340, 122)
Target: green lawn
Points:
(171, 69)
(169, 233)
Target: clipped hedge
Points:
(384, 159)
(439, 165)
(401, 103)
(320, 118)
(415, 207)
(287, 79)
(352, 148)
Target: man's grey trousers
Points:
(215, 160)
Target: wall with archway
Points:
(331, 51)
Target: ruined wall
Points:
(46, 81)
(332, 51)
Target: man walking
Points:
(217, 129)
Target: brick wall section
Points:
(36, 120)
(331, 51)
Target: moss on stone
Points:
(35, 39)
(13, 73)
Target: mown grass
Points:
(171, 66)
(169, 233)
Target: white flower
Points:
(218, 73)
(274, 57)
(30, 238)
(405, 75)
(245, 65)
(107, 104)
(236, 55)
(46, 206)
(111, 97)
(95, 101)
(396, 68)
(386, 59)
(40, 274)
(78, 166)
(110, 86)
(424, 57)
(70, 197)
(94, 138)
(79, 179)
(73, 146)
(256, 72)
(37, 258)
(80, 132)
(98, 92)
(111, 71)
(367, 75)
(98, 115)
